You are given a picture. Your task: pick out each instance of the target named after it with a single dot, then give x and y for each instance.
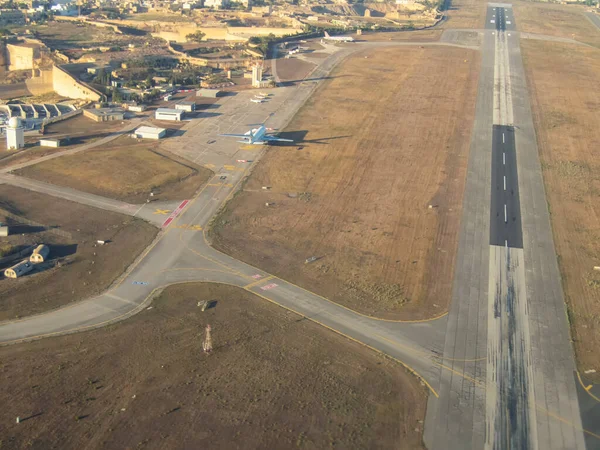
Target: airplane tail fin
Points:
(327, 34)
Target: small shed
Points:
(3, 230)
(210, 93)
(19, 269)
(137, 108)
(149, 132)
(168, 114)
(186, 106)
(40, 254)
(50, 142)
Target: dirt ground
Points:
(567, 21)
(84, 269)
(419, 35)
(125, 169)
(376, 145)
(293, 69)
(465, 14)
(564, 84)
(79, 129)
(273, 380)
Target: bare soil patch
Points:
(274, 380)
(564, 84)
(377, 144)
(293, 69)
(128, 170)
(567, 21)
(84, 269)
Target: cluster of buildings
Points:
(39, 255)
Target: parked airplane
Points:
(338, 38)
(258, 136)
(257, 100)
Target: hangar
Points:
(168, 114)
(149, 132)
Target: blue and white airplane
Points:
(258, 136)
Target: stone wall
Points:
(41, 84)
(66, 85)
(22, 57)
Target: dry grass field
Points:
(273, 381)
(79, 129)
(84, 269)
(564, 84)
(293, 69)
(380, 141)
(128, 170)
(567, 21)
(432, 35)
(465, 14)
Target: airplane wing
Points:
(236, 135)
(276, 139)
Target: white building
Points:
(15, 137)
(49, 142)
(186, 106)
(218, 4)
(169, 114)
(150, 132)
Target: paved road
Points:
(594, 18)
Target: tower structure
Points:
(15, 137)
(207, 344)
(257, 74)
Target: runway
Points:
(507, 302)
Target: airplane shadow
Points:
(299, 138)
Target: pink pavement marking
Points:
(175, 213)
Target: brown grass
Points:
(564, 81)
(127, 171)
(87, 271)
(419, 35)
(465, 14)
(567, 21)
(274, 380)
(384, 138)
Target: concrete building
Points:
(137, 108)
(19, 269)
(186, 106)
(50, 142)
(3, 230)
(217, 4)
(104, 114)
(15, 137)
(149, 132)
(209, 93)
(168, 114)
(40, 254)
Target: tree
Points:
(195, 37)
(116, 96)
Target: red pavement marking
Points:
(268, 286)
(175, 213)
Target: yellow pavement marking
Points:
(209, 166)
(164, 212)
(233, 168)
(587, 388)
(228, 185)
(215, 184)
(248, 286)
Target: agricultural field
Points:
(373, 188)
(77, 268)
(566, 21)
(273, 380)
(564, 85)
(125, 170)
